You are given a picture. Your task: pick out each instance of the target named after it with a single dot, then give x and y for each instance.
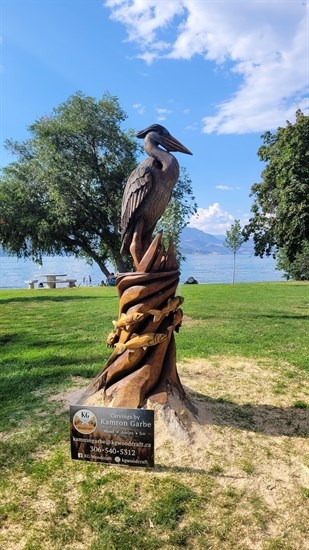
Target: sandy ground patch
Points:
(72, 395)
(246, 439)
(248, 435)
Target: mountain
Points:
(195, 241)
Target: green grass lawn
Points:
(52, 340)
(253, 320)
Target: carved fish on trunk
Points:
(112, 338)
(172, 305)
(126, 321)
(143, 341)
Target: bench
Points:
(52, 284)
(31, 283)
(71, 282)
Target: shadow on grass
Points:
(264, 419)
(189, 470)
(45, 298)
(300, 317)
(22, 339)
(179, 469)
(18, 387)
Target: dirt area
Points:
(246, 429)
(240, 432)
(247, 432)
(239, 404)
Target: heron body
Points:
(149, 189)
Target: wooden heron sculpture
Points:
(149, 189)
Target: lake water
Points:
(205, 269)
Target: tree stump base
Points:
(142, 367)
(146, 375)
(174, 416)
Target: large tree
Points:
(281, 201)
(63, 193)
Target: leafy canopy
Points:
(299, 268)
(234, 237)
(63, 193)
(281, 201)
(182, 205)
(234, 240)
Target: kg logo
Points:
(85, 421)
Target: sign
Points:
(112, 435)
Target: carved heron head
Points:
(161, 136)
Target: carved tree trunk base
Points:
(144, 375)
(176, 417)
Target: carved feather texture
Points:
(138, 186)
(149, 188)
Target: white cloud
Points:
(212, 220)
(162, 113)
(193, 127)
(139, 108)
(224, 187)
(264, 42)
(143, 18)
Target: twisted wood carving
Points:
(143, 361)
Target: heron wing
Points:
(137, 188)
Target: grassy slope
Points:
(51, 339)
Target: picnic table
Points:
(31, 282)
(52, 279)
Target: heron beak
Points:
(172, 144)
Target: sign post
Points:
(112, 435)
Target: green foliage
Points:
(281, 204)
(65, 188)
(179, 210)
(234, 240)
(297, 269)
(63, 194)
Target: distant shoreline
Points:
(205, 268)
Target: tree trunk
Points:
(90, 252)
(234, 267)
(142, 367)
(120, 264)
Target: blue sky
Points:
(217, 74)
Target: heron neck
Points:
(155, 152)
